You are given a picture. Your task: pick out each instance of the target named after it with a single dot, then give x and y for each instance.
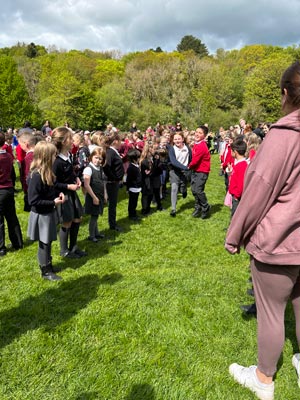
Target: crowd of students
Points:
(55, 164)
(99, 163)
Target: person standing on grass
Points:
(94, 185)
(200, 166)
(180, 156)
(270, 234)
(133, 183)
(70, 212)
(42, 199)
(7, 202)
(114, 171)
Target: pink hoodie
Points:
(267, 220)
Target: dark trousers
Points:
(156, 194)
(235, 203)
(112, 189)
(146, 202)
(198, 181)
(8, 212)
(132, 204)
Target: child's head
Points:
(98, 156)
(43, 157)
(98, 138)
(28, 140)
(78, 140)
(9, 137)
(133, 155)
(238, 147)
(62, 138)
(2, 139)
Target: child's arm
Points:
(89, 190)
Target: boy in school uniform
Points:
(133, 182)
(238, 170)
(7, 202)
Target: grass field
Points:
(152, 314)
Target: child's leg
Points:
(2, 236)
(156, 193)
(73, 239)
(93, 226)
(43, 254)
(174, 192)
(63, 239)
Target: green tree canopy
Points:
(190, 42)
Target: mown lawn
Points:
(152, 314)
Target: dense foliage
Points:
(89, 89)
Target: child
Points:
(42, 199)
(27, 141)
(68, 183)
(146, 162)
(226, 158)
(180, 156)
(81, 158)
(133, 182)
(94, 179)
(236, 182)
(7, 202)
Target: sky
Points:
(138, 25)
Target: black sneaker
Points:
(184, 194)
(79, 252)
(173, 213)
(93, 239)
(69, 254)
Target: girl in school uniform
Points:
(43, 200)
(71, 211)
(94, 184)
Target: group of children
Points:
(52, 173)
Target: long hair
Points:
(146, 153)
(59, 136)
(43, 157)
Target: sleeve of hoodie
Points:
(265, 177)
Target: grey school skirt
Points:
(71, 208)
(42, 227)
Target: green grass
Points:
(152, 314)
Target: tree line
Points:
(89, 89)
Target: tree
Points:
(190, 42)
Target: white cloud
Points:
(129, 25)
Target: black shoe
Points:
(69, 254)
(249, 309)
(3, 252)
(205, 214)
(93, 239)
(48, 274)
(116, 228)
(135, 219)
(250, 280)
(196, 214)
(100, 236)
(78, 252)
(184, 194)
(173, 213)
(250, 292)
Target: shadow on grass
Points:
(141, 392)
(52, 307)
(88, 396)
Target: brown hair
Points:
(99, 151)
(59, 136)
(290, 81)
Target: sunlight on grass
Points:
(152, 313)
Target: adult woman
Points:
(180, 156)
(270, 234)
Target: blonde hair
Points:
(146, 152)
(98, 138)
(253, 142)
(43, 156)
(59, 136)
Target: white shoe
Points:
(296, 364)
(246, 376)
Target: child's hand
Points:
(73, 186)
(147, 171)
(60, 199)
(78, 182)
(96, 201)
